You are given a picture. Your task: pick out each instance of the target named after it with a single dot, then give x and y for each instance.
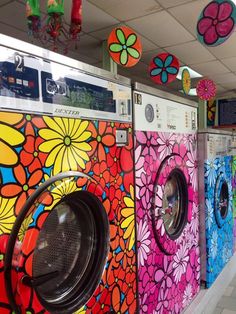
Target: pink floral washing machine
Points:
(167, 217)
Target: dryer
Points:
(67, 229)
(215, 196)
(167, 215)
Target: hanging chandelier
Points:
(52, 29)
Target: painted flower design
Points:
(214, 244)
(166, 142)
(164, 68)
(164, 276)
(188, 295)
(9, 138)
(81, 311)
(162, 302)
(24, 226)
(128, 214)
(209, 214)
(216, 23)
(180, 262)
(7, 217)
(194, 225)
(143, 242)
(65, 142)
(125, 46)
(186, 81)
(102, 138)
(206, 89)
(211, 167)
(192, 168)
(60, 189)
(24, 186)
(30, 156)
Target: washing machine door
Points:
(221, 199)
(172, 205)
(59, 246)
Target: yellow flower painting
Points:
(9, 138)
(7, 217)
(65, 141)
(128, 223)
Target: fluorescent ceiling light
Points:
(193, 74)
(192, 92)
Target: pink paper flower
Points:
(216, 22)
(206, 89)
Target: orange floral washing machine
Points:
(67, 235)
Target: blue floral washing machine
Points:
(216, 216)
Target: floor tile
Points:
(228, 303)
(228, 291)
(225, 311)
(233, 294)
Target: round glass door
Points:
(175, 203)
(64, 249)
(224, 200)
(221, 199)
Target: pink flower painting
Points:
(216, 22)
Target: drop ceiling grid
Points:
(165, 8)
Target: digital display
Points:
(18, 82)
(70, 92)
(227, 111)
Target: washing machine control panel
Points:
(152, 113)
(34, 84)
(218, 145)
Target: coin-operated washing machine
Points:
(67, 228)
(167, 216)
(233, 153)
(215, 196)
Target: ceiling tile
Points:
(229, 85)
(104, 34)
(171, 3)
(3, 2)
(188, 14)
(230, 63)
(81, 57)
(224, 78)
(161, 28)
(12, 31)
(210, 68)
(90, 47)
(227, 50)
(124, 10)
(191, 53)
(94, 18)
(19, 21)
(148, 56)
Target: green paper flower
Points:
(124, 47)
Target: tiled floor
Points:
(227, 303)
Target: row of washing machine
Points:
(99, 214)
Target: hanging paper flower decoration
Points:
(164, 68)
(206, 89)
(124, 46)
(216, 22)
(186, 81)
